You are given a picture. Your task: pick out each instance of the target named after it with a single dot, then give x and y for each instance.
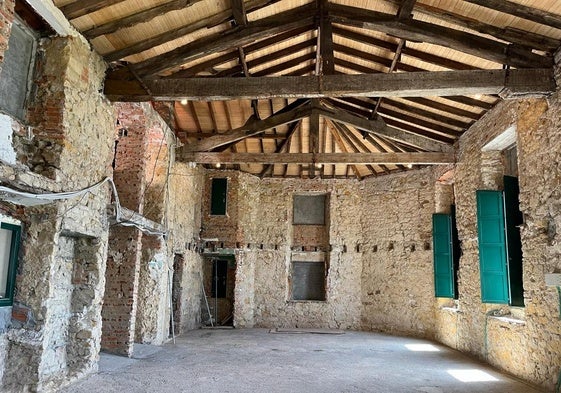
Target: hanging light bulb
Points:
(184, 101)
(218, 165)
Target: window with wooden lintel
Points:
(10, 236)
(218, 196)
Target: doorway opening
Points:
(219, 282)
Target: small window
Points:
(9, 249)
(309, 209)
(308, 280)
(17, 69)
(219, 192)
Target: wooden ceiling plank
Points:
(286, 65)
(384, 110)
(83, 7)
(417, 158)
(289, 114)
(343, 148)
(139, 17)
(419, 132)
(522, 11)
(262, 136)
(341, 103)
(380, 127)
(428, 114)
(419, 31)
(516, 83)
(444, 107)
(253, 31)
(355, 143)
(191, 71)
(424, 56)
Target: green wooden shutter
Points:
(492, 247)
(219, 192)
(442, 251)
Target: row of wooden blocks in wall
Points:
(390, 246)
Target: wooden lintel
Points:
(516, 82)
(319, 158)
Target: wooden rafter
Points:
(326, 59)
(508, 34)
(139, 17)
(418, 54)
(517, 82)
(193, 70)
(405, 9)
(83, 7)
(522, 11)
(240, 36)
(419, 31)
(380, 127)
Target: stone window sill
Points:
(509, 319)
(306, 301)
(454, 310)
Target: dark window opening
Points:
(219, 192)
(308, 280)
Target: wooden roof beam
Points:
(509, 34)
(378, 126)
(522, 11)
(419, 31)
(423, 56)
(84, 7)
(415, 158)
(509, 83)
(253, 31)
(139, 17)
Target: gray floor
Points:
(254, 360)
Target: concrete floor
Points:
(255, 360)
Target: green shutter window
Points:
(492, 247)
(9, 250)
(219, 191)
(443, 257)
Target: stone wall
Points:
(263, 234)
(56, 319)
(520, 340)
(396, 283)
(184, 223)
